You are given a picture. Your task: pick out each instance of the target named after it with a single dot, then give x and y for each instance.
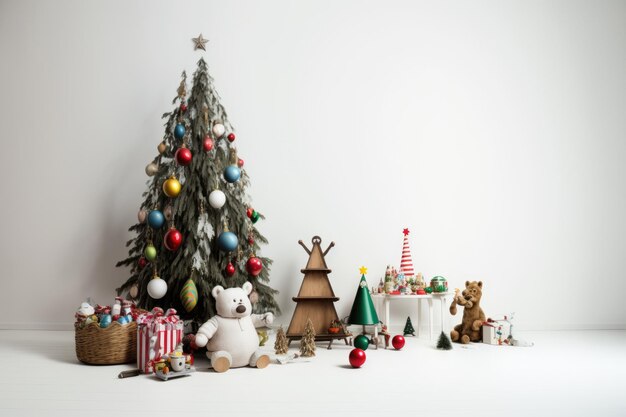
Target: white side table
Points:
(382, 302)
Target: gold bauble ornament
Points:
(162, 147)
(171, 187)
(134, 291)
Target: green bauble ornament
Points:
(429, 290)
(254, 217)
(361, 342)
(150, 252)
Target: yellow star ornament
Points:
(363, 270)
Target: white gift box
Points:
(496, 332)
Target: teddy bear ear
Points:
(247, 287)
(216, 291)
(480, 284)
(467, 283)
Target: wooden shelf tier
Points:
(324, 270)
(320, 337)
(314, 298)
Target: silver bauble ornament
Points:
(152, 169)
(218, 130)
(157, 288)
(168, 213)
(217, 199)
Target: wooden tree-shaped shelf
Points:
(316, 298)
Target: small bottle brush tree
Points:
(408, 328)
(281, 346)
(307, 343)
(196, 225)
(444, 343)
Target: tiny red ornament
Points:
(183, 107)
(230, 269)
(173, 239)
(142, 262)
(249, 212)
(254, 266)
(183, 156)
(208, 143)
(251, 240)
(240, 163)
(398, 342)
(357, 358)
(231, 137)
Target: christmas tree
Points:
(281, 346)
(363, 311)
(408, 328)
(443, 342)
(196, 225)
(307, 343)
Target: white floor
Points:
(565, 373)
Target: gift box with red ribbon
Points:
(158, 333)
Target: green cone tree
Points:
(198, 122)
(408, 328)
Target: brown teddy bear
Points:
(473, 316)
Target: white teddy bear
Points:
(230, 336)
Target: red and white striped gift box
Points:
(157, 335)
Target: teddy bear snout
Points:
(240, 309)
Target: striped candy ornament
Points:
(406, 263)
(189, 295)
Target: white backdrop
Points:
(494, 130)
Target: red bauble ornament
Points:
(240, 163)
(254, 266)
(208, 143)
(231, 137)
(249, 212)
(398, 342)
(173, 239)
(251, 240)
(357, 357)
(230, 269)
(183, 156)
(142, 262)
(183, 107)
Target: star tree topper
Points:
(200, 42)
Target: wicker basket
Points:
(112, 345)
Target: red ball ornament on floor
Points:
(357, 357)
(208, 143)
(173, 239)
(240, 163)
(183, 156)
(230, 269)
(254, 266)
(398, 342)
(231, 137)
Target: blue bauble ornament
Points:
(227, 241)
(232, 173)
(156, 219)
(122, 320)
(179, 131)
(105, 321)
